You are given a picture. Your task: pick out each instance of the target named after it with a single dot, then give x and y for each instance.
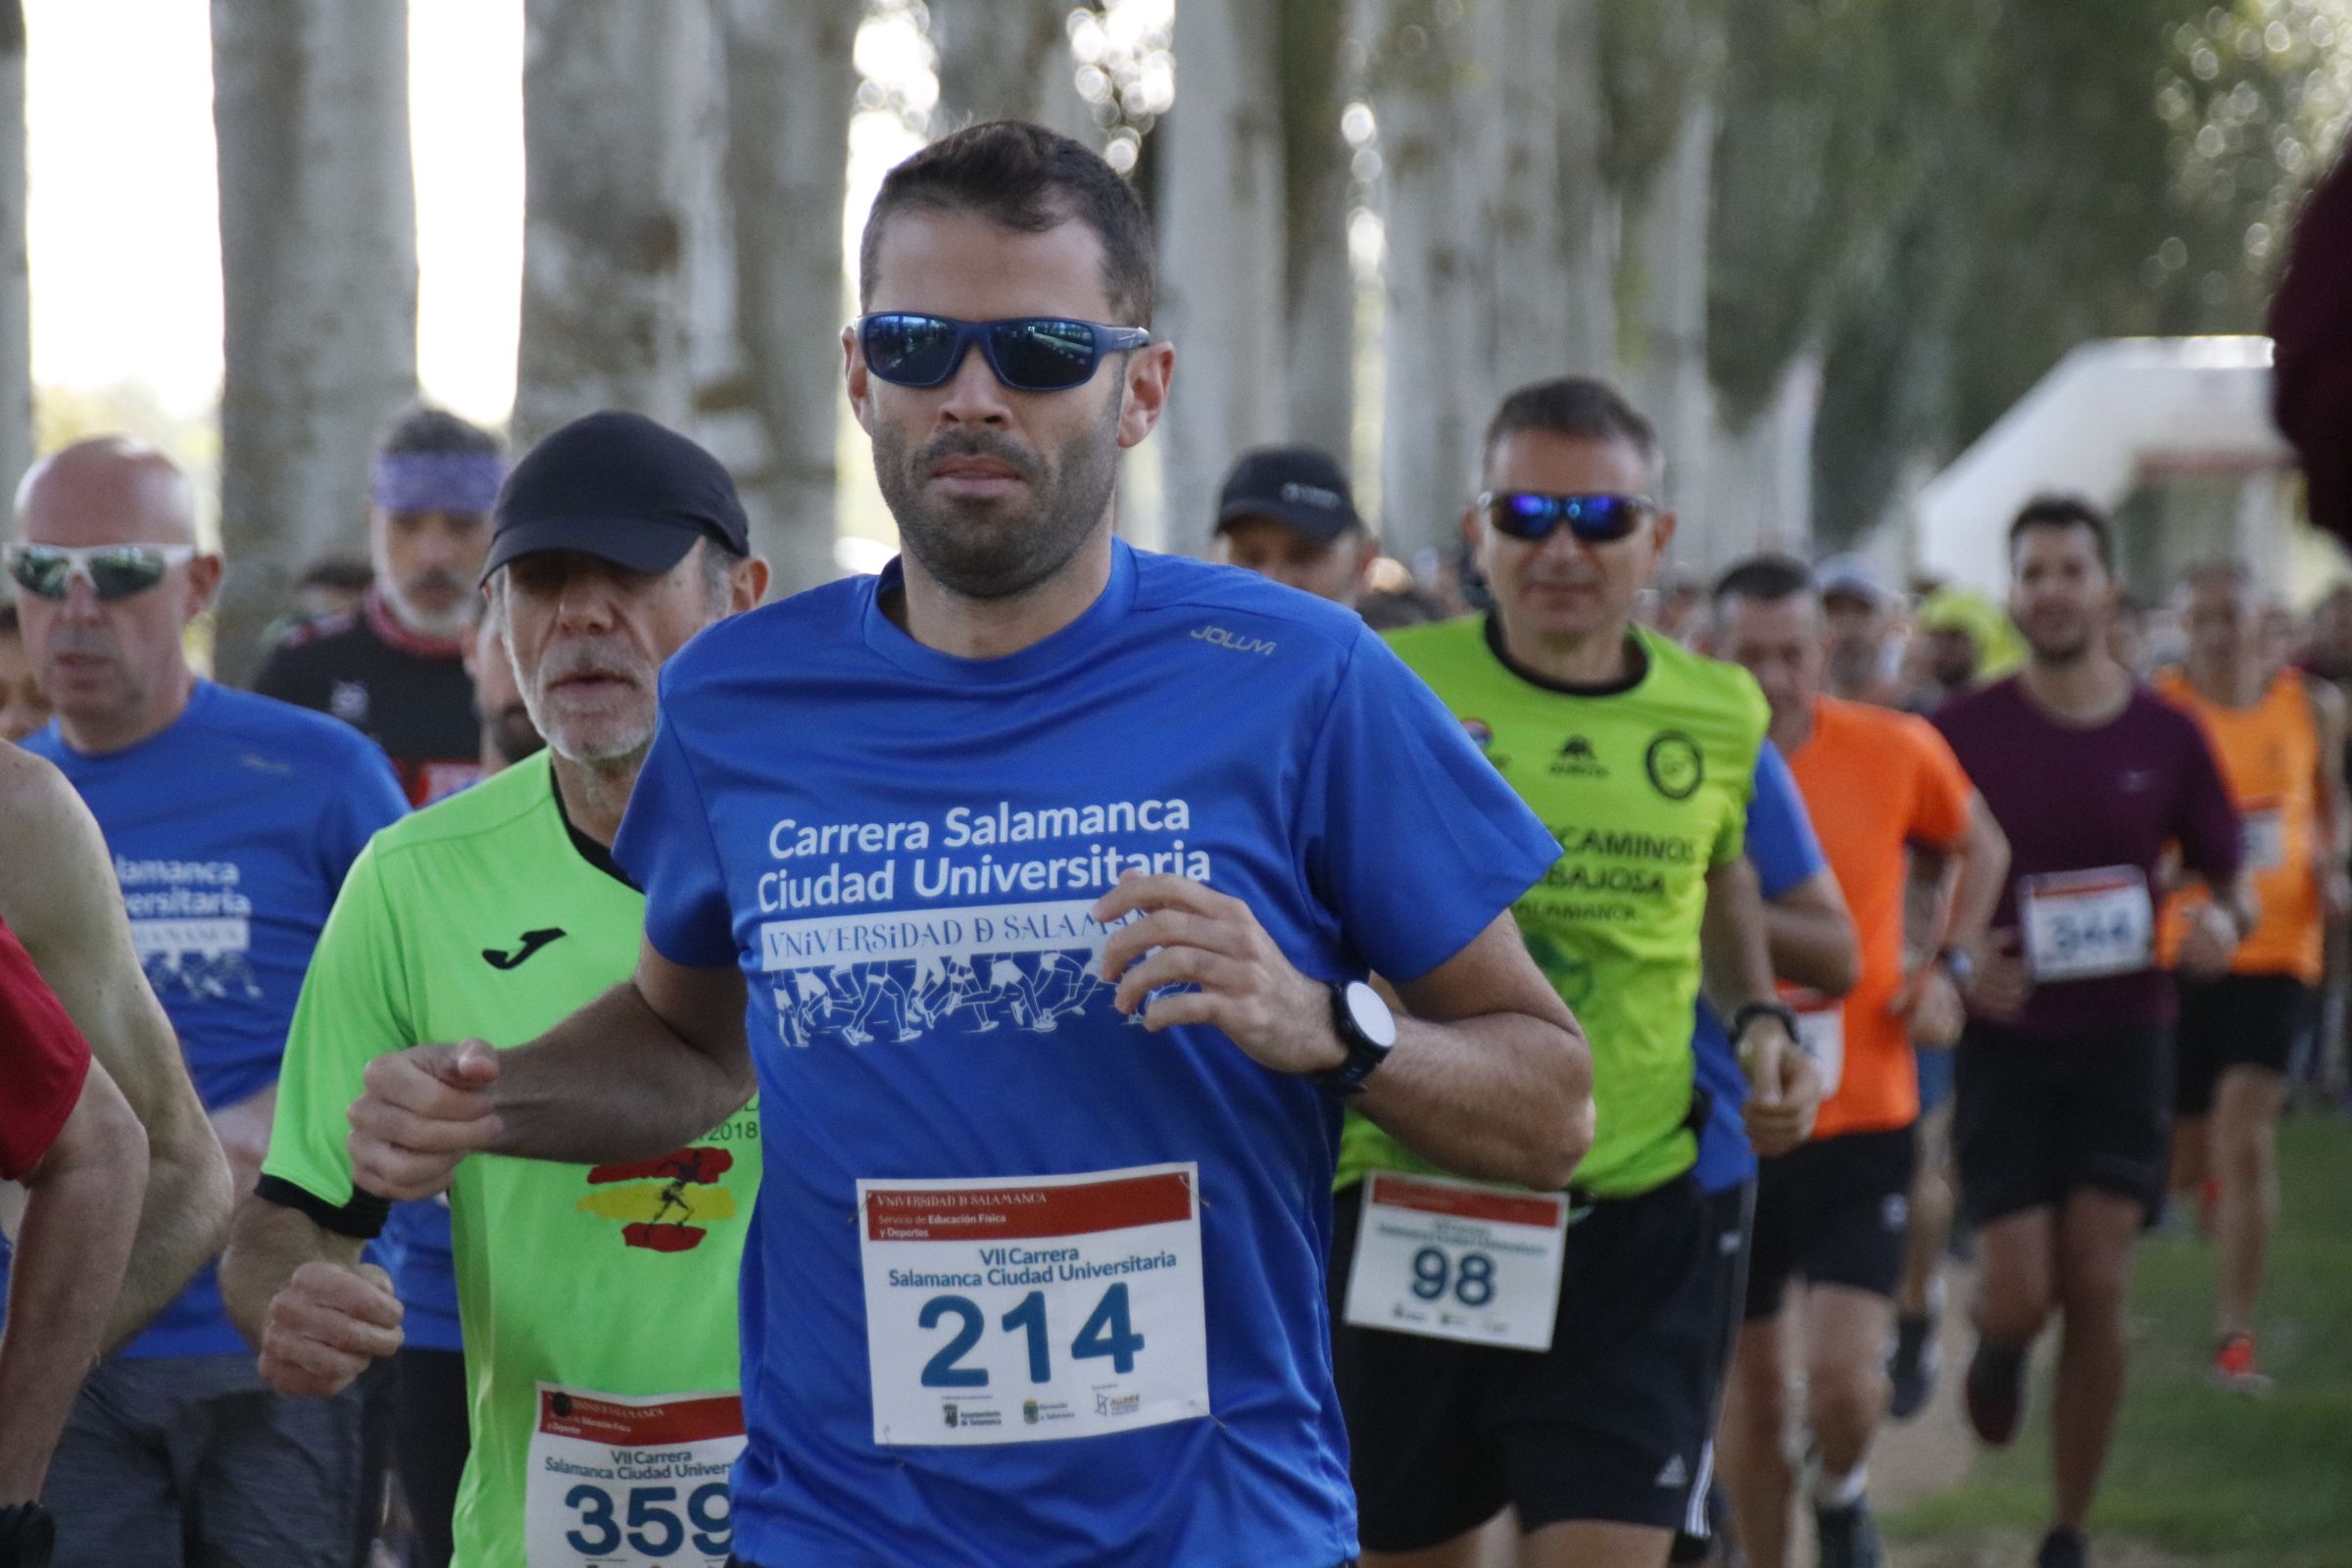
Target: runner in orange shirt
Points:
(1882, 786)
(2280, 738)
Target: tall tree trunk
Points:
(15, 303)
(1006, 60)
(790, 82)
(1758, 487)
(612, 95)
(1222, 282)
(1430, 414)
(318, 276)
(1587, 208)
(1664, 347)
(1520, 161)
(1318, 279)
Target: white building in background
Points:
(2110, 420)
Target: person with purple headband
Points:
(395, 668)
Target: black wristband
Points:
(1761, 1009)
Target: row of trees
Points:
(1820, 240)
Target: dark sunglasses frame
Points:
(1596, 519)
(999, 342)
(33, 568)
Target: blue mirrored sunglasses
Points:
(1029, 352)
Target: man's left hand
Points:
(1784, 1087)
(1189, 934)
(2209, 941)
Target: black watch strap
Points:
(1365, 1054)
(1762, 1010)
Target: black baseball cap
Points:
(620, 487)
(1302, 486)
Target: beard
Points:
(442, 624)
(986, 548)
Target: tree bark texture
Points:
(790, 81)
(319, 272)
(613, 96)
(16, 300)
(1222, 277)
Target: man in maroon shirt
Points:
(2060, 1114)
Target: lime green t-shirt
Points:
(480, 917)
(1646, 790)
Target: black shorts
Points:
(2239, 1020)
(1834, 1211)
(1607, 1425)
(2036, 1116)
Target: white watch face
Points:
(1371, 1015)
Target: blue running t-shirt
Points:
(231, 831)
(1787, 853)
(898, 849)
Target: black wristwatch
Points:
(1958, 964)
(1366, 1028)
(1761, 1009)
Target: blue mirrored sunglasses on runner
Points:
(112, 571)
(1532, 515)
(1029, 353)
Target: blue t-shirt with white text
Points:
(231, 830)
(1787, 853)
(898, 849)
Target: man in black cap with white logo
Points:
(1287, 513)
(615, 541)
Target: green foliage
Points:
(2095, 168)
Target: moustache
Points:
(572, 659)
(978, 444)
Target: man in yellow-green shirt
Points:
(1555, 1351)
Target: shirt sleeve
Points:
(43, 1061)
(1780, 842)
(1941, 792)
(368, 800)
(2211, 838)
(665, 846)
(354, 1007)
(1408, 835)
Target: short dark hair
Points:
(10, 626)
(436, 432)
(2065, 512)
(1766, 580)
(1024, 177)
(1583, 407)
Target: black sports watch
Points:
(1761, 1009)
(1366, 1028)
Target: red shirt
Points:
(43, 1060)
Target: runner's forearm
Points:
(78, 1219)
(1977, 891)
(1810, 938)
(1737, 962)
(615, 1082)
(1502, 1097)
(267, 1242)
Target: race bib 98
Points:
(1454, 1260)
(1024, 1308)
